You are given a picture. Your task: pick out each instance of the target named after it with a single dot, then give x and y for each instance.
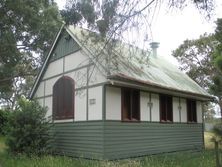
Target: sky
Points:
(171, 28)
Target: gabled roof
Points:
(130, 63)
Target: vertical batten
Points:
(176, 114)
(155, 108)
(183, 110)
(199, 112)
(144, 108)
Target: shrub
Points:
(4, 118)
(28, 130)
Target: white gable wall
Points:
(75, 66)
(75, 60)
(144, 108)
(48, 104)
(155, 107)
(40, 90)
(176, 112)
(54, 68)
(95, 110)
(113, 103)
(183, 105)
(80, 105)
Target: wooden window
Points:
(166, 109)
(191, 111)
(63, 99)
(130, 105)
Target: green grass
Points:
(208, 143)
(185, 159)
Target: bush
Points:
(4, 118)
(28, 130)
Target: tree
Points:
(216, 88)
(27, 29)
(196, 59)
(28, 129)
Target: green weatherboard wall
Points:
(116, 139)
(64, 46)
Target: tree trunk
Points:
(220, 104)
(217, 153)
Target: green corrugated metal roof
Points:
(136, 64)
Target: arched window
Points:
(63, 98)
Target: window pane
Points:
(63, 98)
(126, 105)
(191, 111)
(166, 109)
(135, 105)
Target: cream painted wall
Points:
(155, 108)
(41, 101)
(199, 112)
(74, 60)
(113, 103)
(183, 104)
(49, 85)
(48, 104)
(96, 76)
(95, 110)
(54, 68)
(80, 105)
(144, 108)
(40, 90)
(176, 112)
(79, 77)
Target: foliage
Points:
(195, 57)
(27, 29)
(28, 129)
(4, 119)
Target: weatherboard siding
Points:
(79, 139)
(64, 46)
(124, 140)
(117, 140)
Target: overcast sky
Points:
(172, 28)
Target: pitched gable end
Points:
(65, 45)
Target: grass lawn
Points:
(185, 159)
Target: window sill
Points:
(192, 122)
(166, 122)
(63, 120)
(129, 120)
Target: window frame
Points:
(170, 98)
(193, 116)
(131, 119)
(55, 98)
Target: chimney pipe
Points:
(154, 46)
